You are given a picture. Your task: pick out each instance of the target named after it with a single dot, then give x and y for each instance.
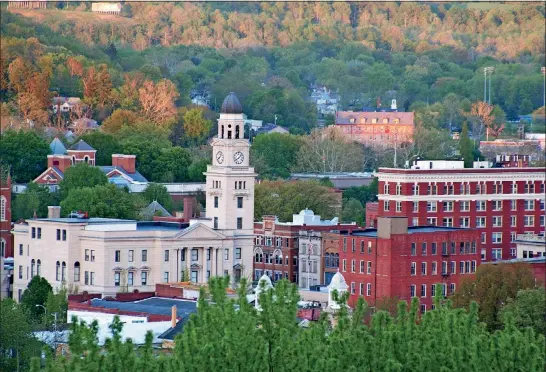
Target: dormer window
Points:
(352, 120)
(374, 120)
(363, 121)
(396, 121)
(385, 121)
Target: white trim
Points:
(47, 171)
(463, 177)
(440, 198)
(123, 175)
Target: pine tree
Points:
(465, 146)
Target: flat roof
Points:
(411, 230)
(461, 170)
(91, 220)
(153, 305)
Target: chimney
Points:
(127, 162)
(173, 316)
(188, 208)
(53, 211)
(387, 226)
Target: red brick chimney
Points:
(173, 316)
(61, 162)
(127, 162)
(188, 207)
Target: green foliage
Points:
(81, 175)
(105, 144)
(17, 344)
(283, 199)
(528, 309)
(465, 147)
(37, 292)
(35, 198)
(275, 154)
(57, 303)
(231, 335)
(106, 201)
(353, 211)
(158, 193)
(25, 152)
(196, 169)
(363, 194)
(491, 288)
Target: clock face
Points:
(238, 157)
(219, 157)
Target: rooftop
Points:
(231, 105)
(372, 233)
(81, 145)
(92, 220)
(154, 305)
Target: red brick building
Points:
(377, 128)
(372, 212)
(6, 239)
(499, 202)
(397, 261)
(276, 243)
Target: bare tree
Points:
(157, 101)
(329, 150)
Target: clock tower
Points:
(230, 186)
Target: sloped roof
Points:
(81, 145)
(231, 105)
(153, 209)
(57, 147)
(136, 177)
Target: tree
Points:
(283, 199)
(277, 152)
(172, 165)
(526, 107)
(196, 127)
(482, 112)
(57, 303)
(107, 201)
(491, 289)
(17, 343)
(329, 151)
(157, 101)
(528, 309)
(36, 294)
(105, 144)
(196, 170)
(465, 147)
(159, 193)
(353, 211)
(81, 175)
(363, 194)
(25, 152)
(35, 198)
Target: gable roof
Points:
(48, 171)
(57, 147)
(152, 209)
(199, 231)
(135, 177)
(81, 145)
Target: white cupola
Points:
(336, 284)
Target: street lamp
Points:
(45, 310)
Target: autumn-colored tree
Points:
(482, 112)
(196, 127)
(491, 288)
(118, 119)
(97, 84)
(157, 101)
(127, 96)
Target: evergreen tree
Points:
(465, 147)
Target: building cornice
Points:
(455, 176)
(465, 197)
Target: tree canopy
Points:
(81, 175)
(25, 152)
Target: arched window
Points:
(86, 159)
(58, 271)
(32, 268)
(2, 208)
(222, 132)
(63, 276)
(55, 163)
(38, 267)
(236, 131)
(76, 271)
(337, 260)
(73, 160)
(2, 248)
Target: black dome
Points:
(231, 105)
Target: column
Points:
(203, 265)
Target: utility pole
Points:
(55, 334)
(543, 70)
(487, 70)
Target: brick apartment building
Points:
(277, 245)
(397, 261)
(377, 128)
(499, 202)
(6, 239)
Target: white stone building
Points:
(101, 255)
(530, 245)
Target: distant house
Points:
(83, 125)
(39, 4)
(200, 101)
(64, 104)
(121, 172)
(106, 8)
(271, 128)
(377, 128)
